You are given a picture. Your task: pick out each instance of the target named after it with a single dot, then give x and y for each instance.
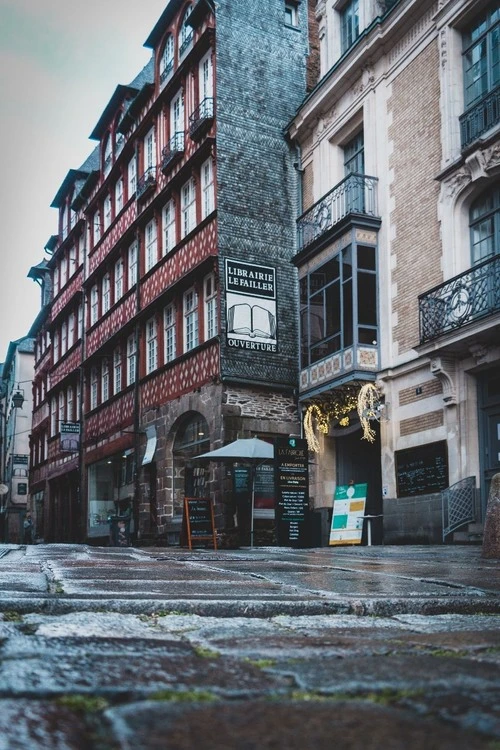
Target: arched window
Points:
(191, 440)
(108, 156)
(185, 34)
(167, 59)
(484, 220)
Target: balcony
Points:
(356, 194)
(469, 297)
(201, 119)
(166, 73)
(173, 151)
(146, 184)
(478, 119)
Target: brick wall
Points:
(428, 421)
(415, 162)
(261, 80)
(426, 389)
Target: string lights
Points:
(338, 407)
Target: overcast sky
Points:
(60, 61)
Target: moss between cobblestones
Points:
(83, 704)
(385, 697)
(184, 696)
(12, 616)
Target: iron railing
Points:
(173, 150)
(458, 504)
(356, 194)
(203, 113)
(186, 44)
(480, 118)
(472, 295)
(146, 182)
(167, 71)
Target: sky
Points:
(60, 62)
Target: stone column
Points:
(491, 537)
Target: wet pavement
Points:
(111, 649)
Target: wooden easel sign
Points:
(198, 521)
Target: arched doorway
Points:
(190, 479)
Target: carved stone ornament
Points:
(444, 368)
(492, 157)
(443, 47)
(320, 9)
(479, 352)
(454, 184)
(367, 77)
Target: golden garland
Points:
(341, 403)
(368, 406)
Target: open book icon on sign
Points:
(252, 320)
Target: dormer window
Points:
(167, 60)
(186, 34)
(108, 156)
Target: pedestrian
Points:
(28, 529)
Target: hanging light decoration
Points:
(370, 408)
(336, 407)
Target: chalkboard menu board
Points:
(198, 522)
(292, 491)
(422, 470)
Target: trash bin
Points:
(119, 531)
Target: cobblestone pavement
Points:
(111, 649)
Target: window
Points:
(64, 338)
(131, 359)
(291, 16)
(149, 150)
(354, 163)
(107, 212)
(94, 304)
(80, 321)
(132, 265)
(169, 322)
(481, 56)
(186, 34)
(485, 225)
(205, 76)
(151, 345)
(131, 177)
(77, 402)
(55, 345)
(53, 417)
(188, 207)
(108, 156)
(117, 370)
(94, 387)
(119, 195)
(104, 380)
(118, 279)
(70, 416)
(106, 293)
(207, 188)
(349, 24)
(97, 227)
(71, 330)
(56, 280)
(72, 218)
(177, 115)
(151, 245)
(61, 413)
(64, 221)
(63, 271)
(190, 320)
(167, 59)
(210, 300)
(169, 229)
(72, 262)
(338, 304)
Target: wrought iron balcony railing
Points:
(201, 117)
(480, 118)
(356, 194)
(146, 183)
(186, 44)
(167, 71)
(468, 297)
(173, 150)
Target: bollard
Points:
(491, 536)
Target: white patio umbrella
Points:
(248, 450)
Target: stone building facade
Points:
(172, 271)
(399, 145)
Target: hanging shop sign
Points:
(251, 306)
(292, 491)
(348, 514)
(70, 437)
